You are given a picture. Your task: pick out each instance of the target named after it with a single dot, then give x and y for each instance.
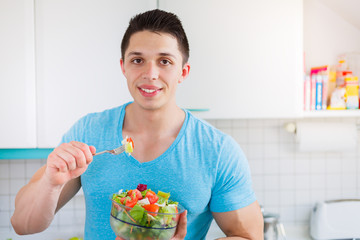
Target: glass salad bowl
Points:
(136, 223)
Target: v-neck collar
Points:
(164, 154)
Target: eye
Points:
(165, 62)
(136, 60)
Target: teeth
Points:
(148, 90)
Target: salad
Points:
(128, 144)
(143, 214)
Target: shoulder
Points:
(207, 133)
(93, 123)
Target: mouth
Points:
(149, 91)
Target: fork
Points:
(115, 151)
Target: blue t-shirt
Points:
(204, 170)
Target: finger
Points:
(181, 227)
(85, 149)
(92, 149)
(78, 156)
(68, 158)
(55, 161)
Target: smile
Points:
(148, 90)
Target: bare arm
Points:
(244, 223)
(51, 187)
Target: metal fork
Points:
(115, 151)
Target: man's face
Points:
(153, 68)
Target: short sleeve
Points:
(233, 186)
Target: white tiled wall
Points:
(285, 181)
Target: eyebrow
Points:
(161, 54)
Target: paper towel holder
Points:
(290, 127)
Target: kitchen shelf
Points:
(332, 113)
(25, 153)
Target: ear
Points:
(185, 72)
(122, 66)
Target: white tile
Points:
(255, 151)
(349, 165)
(302, 165)
(271, 135)
(4, 219)
(66, 218)
(317, 195)
(287, 182)
(79, 202)
(228, 131)
(258, 183)
(271, 166)
(271, 151)
(239, 123)
(333, 182)
(349, 181)
(4, 187)
(317, 181)
(256, 123)
(302, 213)
(15, 185)
(223, 123)
(286, 137)
(79, 216)
(4, 169)
(272, 198)
(348, 194)
(302, 197)
(17, 169)
(271, 182)
(287, 214)
(333, 194)
(31, 168)
(272, 123)
(4, 203)
(287, 198)
(287, 151)
(240, 135)
(12, 203)
(286, 166)
(302, 182)
(318, 166)
(256, 135)
(256, 167)
(333, 165)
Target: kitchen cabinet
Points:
(78, 60)
(17, 74)
(246, 57)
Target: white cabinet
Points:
(78, 60)
(17, 75)
(246, 57)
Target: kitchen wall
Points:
(285, 180)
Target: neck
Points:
(156, 123)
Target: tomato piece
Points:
(129, 140)
(152, 197)
(151, 208)
(131, 202)
(136, 192)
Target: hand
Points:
(181, 227)
(180, 230)
(68, 161)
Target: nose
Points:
(151, 71)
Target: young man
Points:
(202, 168)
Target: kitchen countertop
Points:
(293, 232)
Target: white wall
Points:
(326, 35)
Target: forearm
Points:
(35, 206)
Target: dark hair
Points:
(157, 21)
